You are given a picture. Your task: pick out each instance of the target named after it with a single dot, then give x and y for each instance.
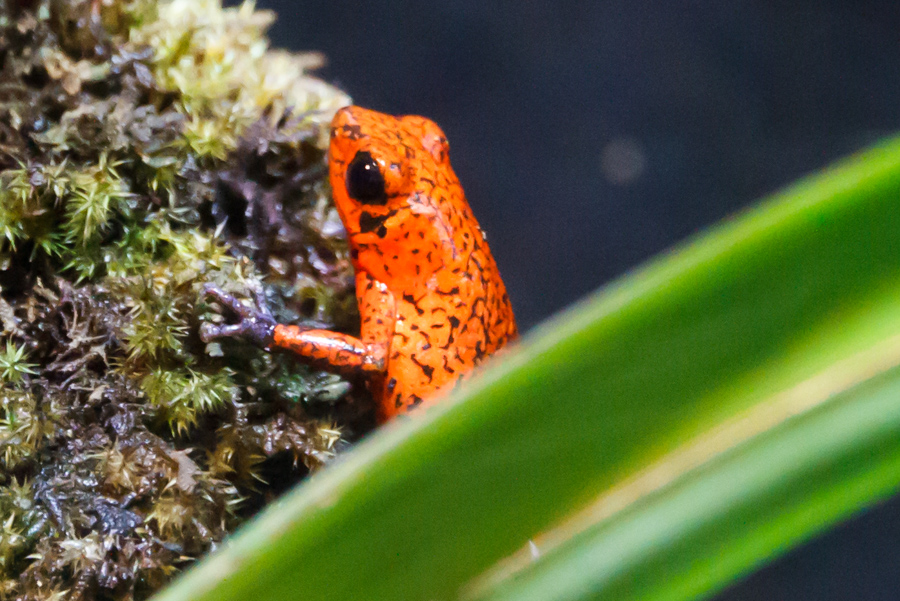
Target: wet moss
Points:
(146, 148)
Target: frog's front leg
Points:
(325, 349)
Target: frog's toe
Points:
(210, 332)
(229, 300)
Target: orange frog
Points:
(431, 301)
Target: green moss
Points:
(149, 148)
(13, 366)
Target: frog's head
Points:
(381, 168)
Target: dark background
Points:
(592, 135)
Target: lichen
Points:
(146, 148)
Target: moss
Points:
(147, 148)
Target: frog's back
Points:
(421, 240)
(453, 320)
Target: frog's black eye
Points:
(364, 180)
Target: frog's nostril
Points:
(346, 125)
(345, 116)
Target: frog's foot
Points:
(255, 323)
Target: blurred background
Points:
(591, 135)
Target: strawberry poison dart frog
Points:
(431, 301)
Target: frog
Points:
(432, 304)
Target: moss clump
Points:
(146, 148)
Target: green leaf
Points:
(656, 441)
(807, 465)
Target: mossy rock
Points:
(147, 148)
